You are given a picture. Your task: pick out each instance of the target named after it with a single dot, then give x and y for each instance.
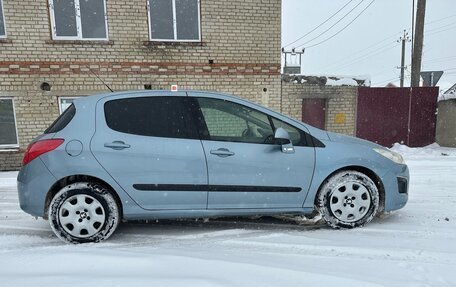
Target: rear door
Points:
(149, 145)
(246, 169)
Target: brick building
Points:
(51, 50)
(336, 98)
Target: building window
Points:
(174, 20)
(8, 131)
(78, 19)
(65, 102)
(2, 21)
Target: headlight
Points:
(394, 156)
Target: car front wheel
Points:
(83, 212)
(348, 199)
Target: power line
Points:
(385, 81)
(378, 51)
(384, 71)
(437, 32)
(388, 80)
(345, 66)
(356, 53)
(440, 20)
(349, 60)
(343, 17)
(438, 28)
(338, 32)
(436, 65)
(440, 59)
(324, 22)
(392, 36)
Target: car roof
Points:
(135, 93)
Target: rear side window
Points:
(151, 116)
(62, 121)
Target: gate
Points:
(403, 115)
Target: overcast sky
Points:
(368, 45)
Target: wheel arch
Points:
(78, 178)
(371, 174)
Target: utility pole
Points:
(403, 39)
(418, 43)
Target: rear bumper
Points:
(396, 183)
(33, 182)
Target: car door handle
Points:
(117, 145)
(222, 152)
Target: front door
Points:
(150, 147)
(246, 169)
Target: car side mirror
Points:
(282, 138)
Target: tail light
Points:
(38, 148)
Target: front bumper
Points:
(396, 183)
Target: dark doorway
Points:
(314, 112)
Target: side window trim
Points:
(198, 119)
(188, 106)
(271, 123)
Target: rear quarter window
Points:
(62, 121)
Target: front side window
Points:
(296, 136)
(168, 117)
(2, 21)
(78, 19)
(8, 132)
(228, 121)
(174, 20)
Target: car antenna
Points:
(101, 80)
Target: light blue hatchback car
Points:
(188, 154)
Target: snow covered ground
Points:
(412, 247)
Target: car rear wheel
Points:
(83, 212)
(348, 199)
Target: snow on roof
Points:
(356, 81)
(449, 94)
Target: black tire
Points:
(348, 199)
(83, 212)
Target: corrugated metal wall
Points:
(403, 115)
